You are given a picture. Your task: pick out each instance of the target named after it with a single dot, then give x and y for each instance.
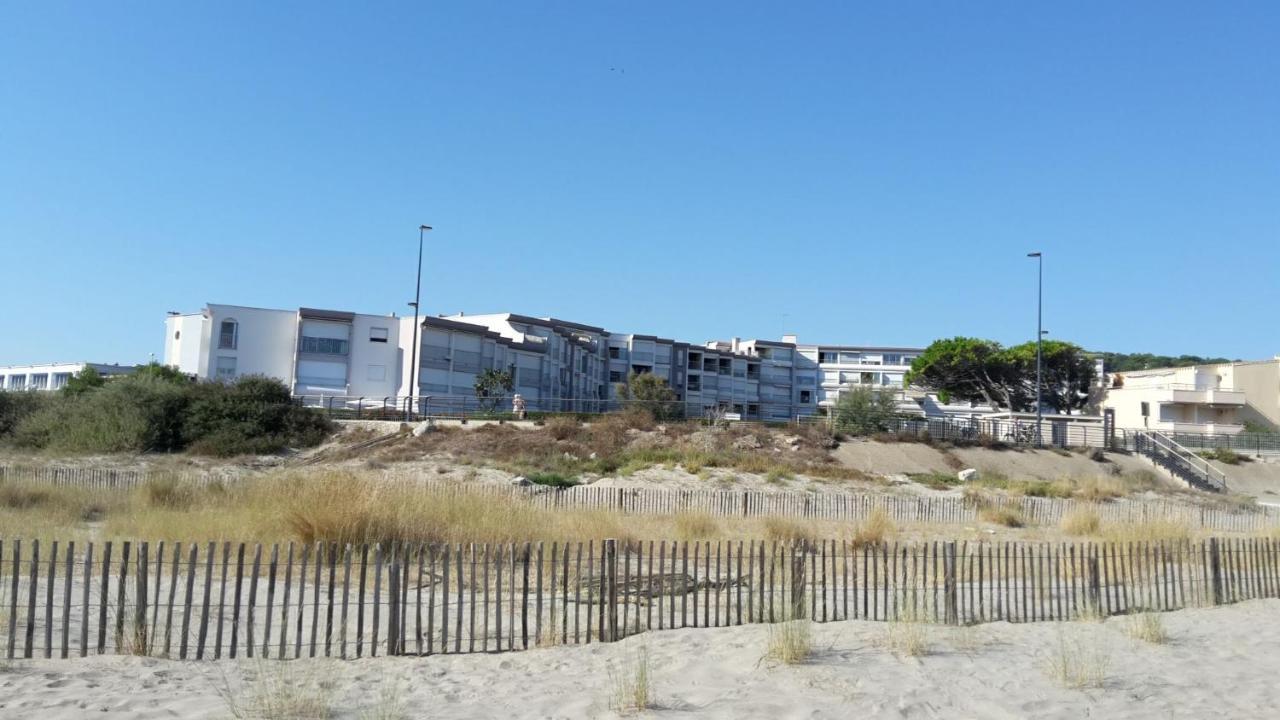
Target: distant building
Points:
(1197, 399)
(556, 365)
(52, 376)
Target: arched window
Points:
(228, 334)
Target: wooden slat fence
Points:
(208, 601)
(827, 505)
(98, 478)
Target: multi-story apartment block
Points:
(314, 352)
(556, 365)
(52, 376)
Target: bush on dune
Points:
(165, 412)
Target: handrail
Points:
(1212, 476)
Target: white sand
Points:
(1218, 663)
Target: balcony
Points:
(1190, 428)
(1204, 395)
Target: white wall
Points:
(186, 342)
(367, 354)
(264, 346)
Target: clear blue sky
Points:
(851, 172)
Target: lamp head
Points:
(1033, 254)
(424, 227)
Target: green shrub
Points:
(936, 480)
(551, 479)
(862, 410)
(1226, 456)
(161, 412)
(15, 407)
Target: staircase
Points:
(1179, 461)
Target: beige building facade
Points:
(1217, 399)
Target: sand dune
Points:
(1218, 663)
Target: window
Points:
(60, 380)
(615, 376)
(695, 383)
(226, 368)
(377, 334)
(806, 397)
(40, 381)
(377, 373)
(228, 334)
(1146, 409)
(322, 346)
(615, 353)
(177, 334)
(17, 382)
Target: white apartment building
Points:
(52, 376)
(1197, 399)
(314, 352)
(556, 365)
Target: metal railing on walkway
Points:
(1179, 461)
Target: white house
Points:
(1197, 399)
(52, 376)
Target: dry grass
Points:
(1149, 531)
(695, 526)
(1078, 659)
(907, 637)
(784, 529)
(1084, 521)
(562, 428)
(875, 529)
(276, 690)
(632, 681)
(1002, 515)
(626, 442)
(1147, 627)
(790, 642)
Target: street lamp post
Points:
(417, 297)
(1039, 339)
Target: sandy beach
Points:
(1217, 662)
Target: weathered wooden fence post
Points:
(609, 590)
(1215, 569)
(393, 602)
(140, 608)
(952, 610)
(1095, 586)
(798, 552)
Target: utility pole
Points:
(1039, 340)
(417, 297)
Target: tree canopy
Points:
(861, 409)
(977, 370)
(87, 379)
(1125, 362)
(491, 386)
(650, 392)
